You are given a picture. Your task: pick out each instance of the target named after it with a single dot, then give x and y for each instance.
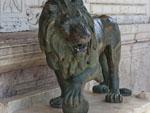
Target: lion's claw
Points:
(114, 98)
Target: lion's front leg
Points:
(73, 94)
(57, 101)
(73, 101)
(52, 60)
(113, 58)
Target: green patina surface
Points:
(80, 48)
(52, 41)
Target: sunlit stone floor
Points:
(97, 105)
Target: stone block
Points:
(26, 80)
(127, 38)
(143, 28)
(129, 29)
(118, 9)
(143, 37)
(140, 66)
(130, 19)
(12, 105)
(19, 51)
(97, 105)
(125, 67)
(118, 1)
(38, 102)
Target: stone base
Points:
(38, 103)
(14, 104)
(97, 105)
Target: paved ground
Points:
(97, 105)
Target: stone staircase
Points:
(38, 102)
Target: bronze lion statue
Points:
(80, 48)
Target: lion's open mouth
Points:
(80, 48)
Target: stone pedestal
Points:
(97, 105)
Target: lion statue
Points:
(80, 48)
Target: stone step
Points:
(13, 104)
(97, 105)
(38, 102)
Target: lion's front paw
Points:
(73, 96)
(114, 98)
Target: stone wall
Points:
(133, 17)
(25, 80)
(19, 15)
(23, 67)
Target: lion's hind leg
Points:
(113, 59)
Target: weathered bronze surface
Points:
(80, 48)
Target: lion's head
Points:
(75, 29)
